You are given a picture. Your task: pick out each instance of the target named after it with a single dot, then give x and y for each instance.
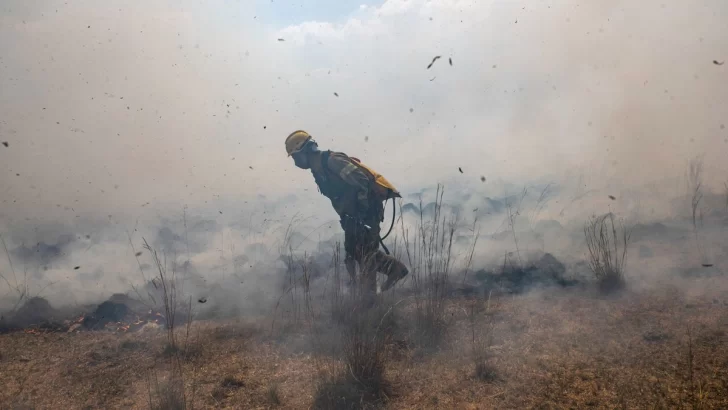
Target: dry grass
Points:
(178, 390)
(482, 340)
(353, 377)
(430, 259)
(357, 377)
(565, 350)
(274, 395)
(607, 245)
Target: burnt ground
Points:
(663, 348)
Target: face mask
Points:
(301, 160)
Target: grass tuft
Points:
(168, 394)
(273, 394)
(607, 245)
(430, 257)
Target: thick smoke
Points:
(166, 120)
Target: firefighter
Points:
(358, 194)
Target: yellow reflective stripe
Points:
(347, 170)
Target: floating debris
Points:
(280, 39)
(716, 62)
(6, 144)
(77, 268)
(336, 94)
(707, 265)
(433, 78)
(461, 170)
(202, 300)
(450, 60)
(612, 197)
(138, 253)
(482, 179)
(433, 61)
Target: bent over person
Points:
(357, 193)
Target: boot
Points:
(395, 276)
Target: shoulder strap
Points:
(325, 161)
(322, 179)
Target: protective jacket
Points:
(357, 193)
(354, 189)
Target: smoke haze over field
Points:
(160, 114)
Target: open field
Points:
(546, 349)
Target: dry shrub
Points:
(178, 391)
(364, 351)
(166, 283)
(607, 245)
(168, 394)
(356, 380)
(430, 256)
(20, 288)
(341, 389)
(173, 393)
(274, 395)
(481, 340)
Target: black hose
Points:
(394, 209)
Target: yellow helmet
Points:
(296, 141)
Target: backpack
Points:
(382, 188)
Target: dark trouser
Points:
(362, 246)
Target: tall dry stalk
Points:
(306, 288)
(356, 377)
(287, 256)
(174, 393)
(430, 256)
(21, 289)
(607, 247)
(471, 251)
(337, 294)
(695, 184)
(540, 204)
(168, 285)
(481, 340)
(152, 299)
(298, 287)
(511, 214)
